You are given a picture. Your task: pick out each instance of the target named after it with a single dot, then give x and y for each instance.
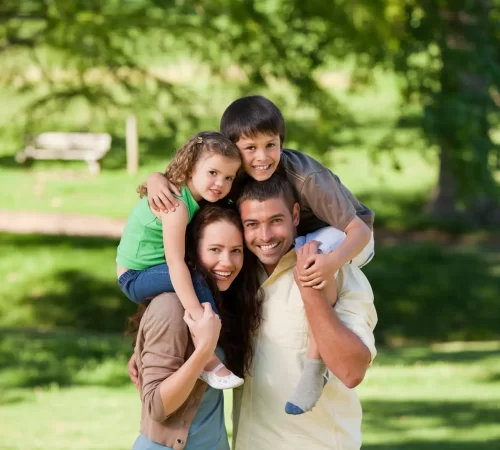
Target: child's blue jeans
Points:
(139, 285)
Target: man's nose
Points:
(265, 234)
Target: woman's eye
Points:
(237, 250)
(213, 250)
(229, 178)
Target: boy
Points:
(257, 127)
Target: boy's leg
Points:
(329, 237)
(366, 254)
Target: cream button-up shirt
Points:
(259, 417)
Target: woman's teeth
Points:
(223, 274)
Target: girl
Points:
(151, 261)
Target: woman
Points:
(178, 410)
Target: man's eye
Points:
(276, 220)
(249, 225)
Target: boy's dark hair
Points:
(277, 186)
(250, 115)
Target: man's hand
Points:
(315, 268)
(161, 193)
(133, 372)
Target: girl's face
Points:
(213, 177)
(221, 252)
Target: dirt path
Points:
(26, 222)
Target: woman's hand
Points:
(205, 332)
(161, 193)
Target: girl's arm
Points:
(174, 239)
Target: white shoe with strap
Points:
(227, 382)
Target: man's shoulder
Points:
(352, 280)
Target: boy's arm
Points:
(161, 193)
(174, 239)
(330, 201)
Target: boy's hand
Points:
(318, 269)
(161, 193)
(133, 371)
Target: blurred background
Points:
(400, 98)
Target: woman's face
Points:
(221, 252)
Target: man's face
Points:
(260, 155)
(269, 229)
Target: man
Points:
(344, 335)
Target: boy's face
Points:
(260, 155)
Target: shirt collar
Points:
(286, 263)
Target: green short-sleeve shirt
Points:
(141, 244)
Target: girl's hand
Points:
(161, 193)
(205, 332)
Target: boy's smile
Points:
(260, 155)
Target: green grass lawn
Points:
(70, 391)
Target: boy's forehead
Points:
(258, 135)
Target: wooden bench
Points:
(88, 147)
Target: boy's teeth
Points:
(263, 167)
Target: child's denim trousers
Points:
(139, 285)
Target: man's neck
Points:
(269, 268)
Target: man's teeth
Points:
(262, 167)
(268, 247)
(222, 274)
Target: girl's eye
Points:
(212, 172)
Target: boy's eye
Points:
(272, 144)
(251, 147)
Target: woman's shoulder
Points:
(166, 304)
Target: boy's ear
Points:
(296, 214)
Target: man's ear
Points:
(296, 214)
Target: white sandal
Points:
(228, 382)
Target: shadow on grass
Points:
(431, 293)
(35, 359)
(395, 417)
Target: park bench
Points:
(88, 147)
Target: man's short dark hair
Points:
(275, 187)
(251, 115)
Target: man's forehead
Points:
(262, 210)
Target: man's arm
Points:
(341, 348)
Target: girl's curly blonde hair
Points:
(182, 165)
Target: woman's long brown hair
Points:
(240, 307)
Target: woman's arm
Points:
(167, 378)
(175, 389)
(174, 239)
